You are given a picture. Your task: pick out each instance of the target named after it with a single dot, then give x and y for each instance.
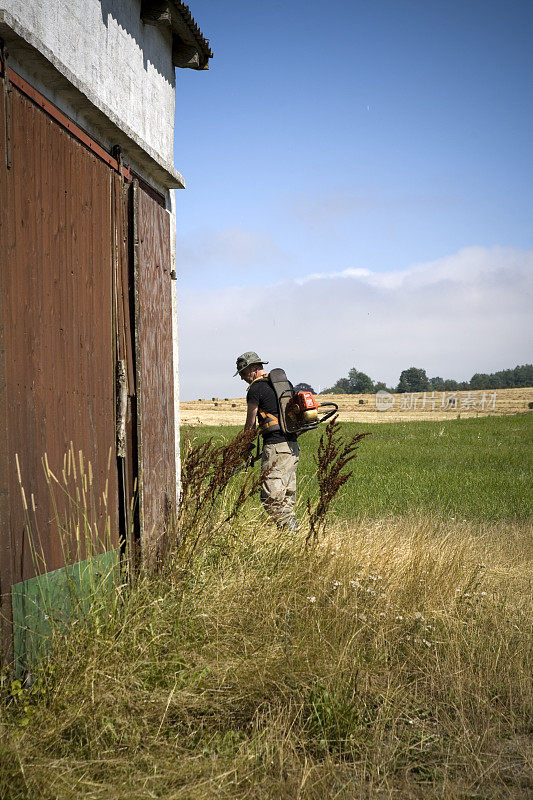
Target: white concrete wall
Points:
(126, 65)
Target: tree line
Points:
(415, 379)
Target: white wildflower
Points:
(311, 598)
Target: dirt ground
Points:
(379, 408)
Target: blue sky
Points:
(359, 189)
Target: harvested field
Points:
(364, 407)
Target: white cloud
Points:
(465, 313)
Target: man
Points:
(280, 450)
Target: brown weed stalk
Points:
(206, 472)
(333, 455)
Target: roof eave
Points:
(190, 49)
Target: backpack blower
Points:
(299, 412)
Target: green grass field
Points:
(475, 469)
(392, 661)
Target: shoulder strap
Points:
(261, 378)
(268, 423)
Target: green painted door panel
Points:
(51, 601)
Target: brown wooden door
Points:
(86, 350)
(57, 344)
(155, 375)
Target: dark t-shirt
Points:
(262, 393)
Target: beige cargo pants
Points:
(278, 481)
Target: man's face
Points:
(248, 373)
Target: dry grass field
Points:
(362, 407)
(391, 660)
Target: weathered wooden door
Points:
(57, 354)
(155, 373)
(87, 437)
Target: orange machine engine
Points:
(302, 408)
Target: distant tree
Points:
(436, 384)
(497, 381)
(341, 387)
(450, 385)
(507, 378)
(416, 380)
(504, 379)
(380, 386)
(304, 387)
(523, 375)
(413, 380)
(480, 381)
(360, 383)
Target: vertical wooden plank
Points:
(155, 374)
(139, 355)
(6, 555)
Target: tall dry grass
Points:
(393, 660)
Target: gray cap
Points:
(246, 360)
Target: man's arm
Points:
(251, 416)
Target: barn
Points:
(89, 427)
